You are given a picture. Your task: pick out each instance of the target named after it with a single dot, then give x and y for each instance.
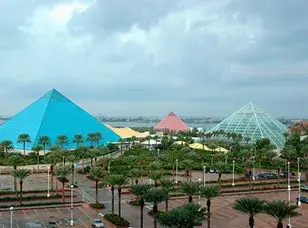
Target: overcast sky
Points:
(149, 57)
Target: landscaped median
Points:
(115, 221)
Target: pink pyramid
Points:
(171, 123)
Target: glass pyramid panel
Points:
(253, 122)
(53, 115)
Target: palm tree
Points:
(72, 158)
(83, 150)
(62, 141)
(155, 196)
(121, 141)
(97, 137)
(62, 173)
(24, 138)
(111, 179)
(44, 141)
(37, 150)
(221, 167)
(63, 154)
(190, 189)
(280, 210)
(120, 180)
(21, 174)
(78, 139)
(304, 165)
(209, 192)
(188, 215)
(139, 190)
(97, 173)
(250, 205)
(91, 139)
(156, 176)
(168, 186)
(14, 161)
(53, 159)
(213, 146)
(7, 146)
(188, 164)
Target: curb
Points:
(77, 204)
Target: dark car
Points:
(303, 199)
(267, 176)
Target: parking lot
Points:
(224, 216)
(35, 218)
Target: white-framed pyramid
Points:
(255, 123)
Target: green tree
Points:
(156, 176)
(24, 139)
(91, 139)
(14, 161)
(208, 193)
(97, 173)
(53, 159)
(155, 196)
(188, 164)
(62, 173)
(120, 180)
(135, 173)
(213, 146)
(251, 206)
(188, 215)
(72, 158)
(139, 190)
(304, 165)
(7, 146)
(280, 210)
(21, 174)
(168, 186)
(97, 137)
(78, 139)
(37, 150)
(45, 142)
(190, 189)
(221, 167)
(62, 141)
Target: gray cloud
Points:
(194, 57)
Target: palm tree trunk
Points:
(208, 204)
(63, 198)
(155, 215)
(306, 179)
(219, 178)
(44, 149)
(141, 212)
(38, 160)
(278, 180)
(15, 182)
(20, 194)
(251, 222)
(96, 191)
(51, 176)
(279, 224)
(112, 199)
(119, 203)
(173, 172)
(166, 203)
(24, 148)
(73, 172)
(190, 199)
(82, 161)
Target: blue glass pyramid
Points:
(52, 115)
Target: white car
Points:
(305, 188)
(97, 223)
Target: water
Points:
(152, 124)
(206, 126)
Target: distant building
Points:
(253, 122)
(52, 115)
(300, 127)
(171, 123)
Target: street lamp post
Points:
(204, 176)
(176, 170)
(48, 183)
(233, 172)
(11, 209)
(289, 193)
(299, 183)
(72, 206)
(253, 167)
(158, 152)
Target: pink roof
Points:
(171, 123)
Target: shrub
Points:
(97, 205)
(116, 220)
(86, 170)
(159, 213)
(133, 202)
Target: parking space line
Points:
(30, 224)
(82, 222)
(35, 211)
(84, 213)
(17, 224)
(58, 210)
(43, 224)
(67, 220)
(47, 210)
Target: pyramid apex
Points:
(171, 114)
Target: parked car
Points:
(250, 176)
(97, 223)
(305, 188)
(303, 199)
(267, 176)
